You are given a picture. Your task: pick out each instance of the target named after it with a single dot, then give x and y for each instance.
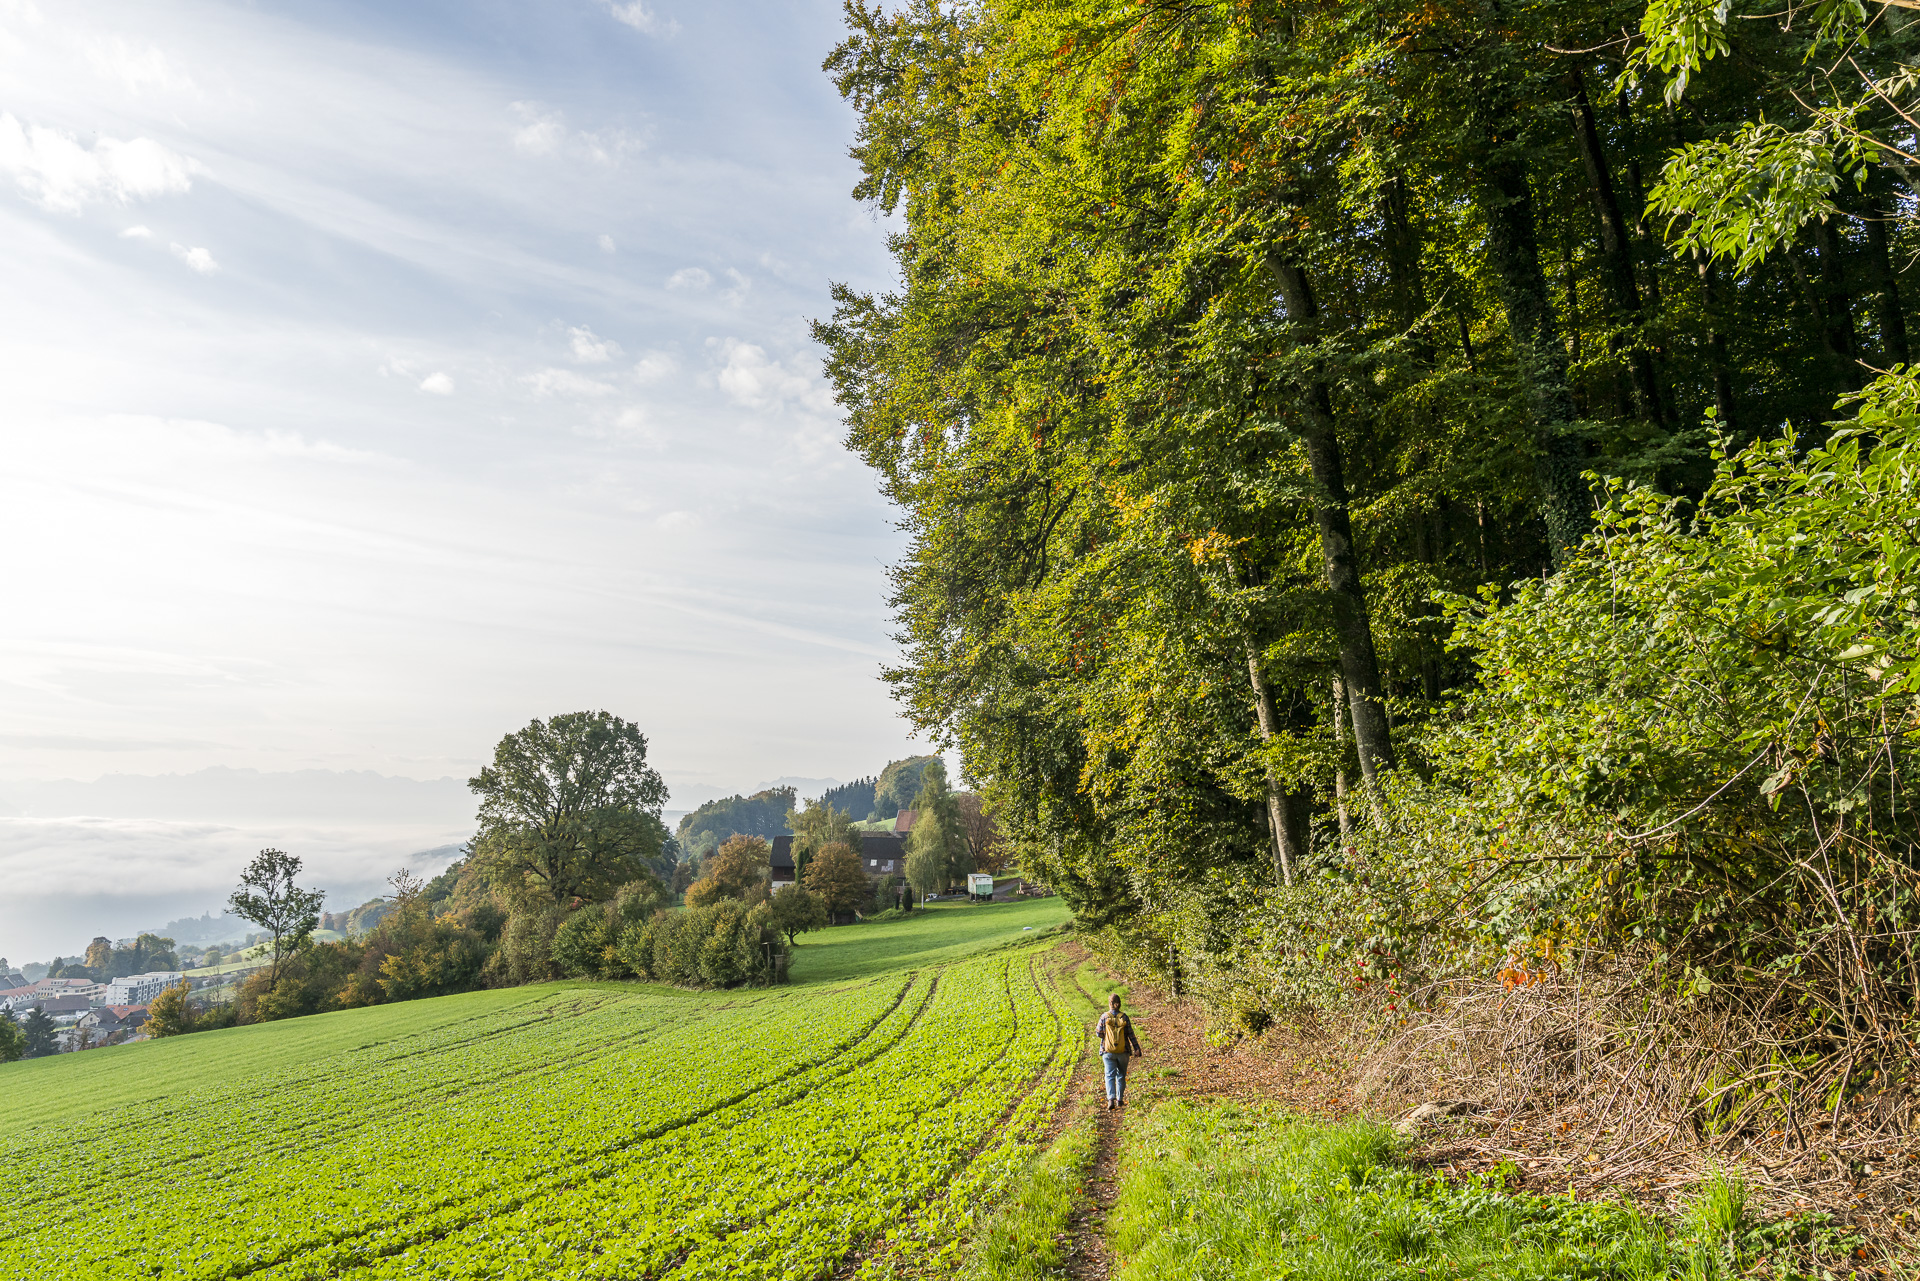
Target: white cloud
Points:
(59, 174)
(753, 379)
(642, 19)
(543, 131)
(136, 233)
(689, 278)
(564, 382)
(590, 349)
(437, 383)
(741, 284)
(654, 366)
(135, 69)
(607, 246)
(195, 257)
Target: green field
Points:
(565, 1130)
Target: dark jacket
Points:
(1100, 1033)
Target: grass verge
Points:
(1027, 1236)
(1220, 1191)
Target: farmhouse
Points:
(115, 1018)
(883, 854)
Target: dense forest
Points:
(1411, 502)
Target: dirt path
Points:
(1087, 1257)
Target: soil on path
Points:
(1088, 1258)
(1178, 1061)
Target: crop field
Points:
(570, 1130)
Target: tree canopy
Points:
(762, 814)
(570, 809)
(268, 897)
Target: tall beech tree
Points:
(1225, 335)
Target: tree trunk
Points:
(1403, 270)
(1359, 663)
(1892, 319)
(1286, 853)
(1617, 251)
(1571, 283)
(1340, 770)
(1717, 345)
(1513, 252)
(1836, 307)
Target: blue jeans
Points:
(1116, 1076)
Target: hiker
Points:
(1114, 1031)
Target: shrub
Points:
(526, 947)
(579, 946)
(171, 1014)
(720, 945)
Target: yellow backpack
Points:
(1116, 1038)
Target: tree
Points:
(13, 1040)
(899, 783)
(986, 846)
(762, 814)
(937, 853)
(171, 1014)
(818, 826)
(100, 955)
(685, 873)
(796, 910)
(738, 870)
(856, 798)
(926, 865)
(268, 897)
(570, 809)
(835, 877)
(38, 1031)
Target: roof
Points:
(782, 855)
(903, 821)
(61, 1004)
(151, 976)
(888, 849)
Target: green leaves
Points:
(1681, 37)
(1741, 198)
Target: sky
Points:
(380, 377)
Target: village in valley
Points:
(105, 996)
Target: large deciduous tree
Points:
(268, 897)
(738, 870)
(570, 809)
(836, 878)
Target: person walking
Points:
(1118, 1044)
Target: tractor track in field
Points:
(70, 1203)
(610, 1154)
(858, 1255)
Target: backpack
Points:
(1116, 1037)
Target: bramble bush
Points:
(1685, 754)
